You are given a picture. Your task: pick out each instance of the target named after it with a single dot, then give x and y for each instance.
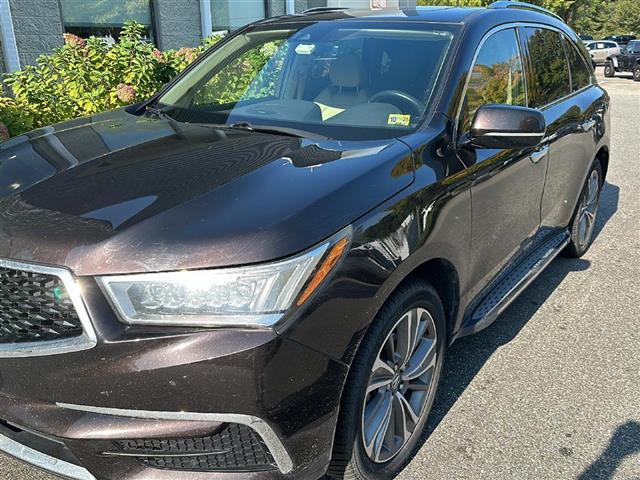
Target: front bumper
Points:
(66, 413)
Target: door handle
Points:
(539, 154)
(588, 125)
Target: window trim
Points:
(517, 26)
(476, 54)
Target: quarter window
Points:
(549, 65)
(497, 76)
(580, 74)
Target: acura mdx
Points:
(256, 273)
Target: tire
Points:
(580, 240)
(609, 70)
(636, 73)
(351, 459)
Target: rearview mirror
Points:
(507, 127)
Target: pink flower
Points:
(74, 40)
(126, 93)
(189, 54)
(158, 55)
(4, 132)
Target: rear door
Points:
(561, 87)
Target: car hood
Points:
(120, 193)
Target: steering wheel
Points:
(415, 106)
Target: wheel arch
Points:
(603, 157)
(443, 277)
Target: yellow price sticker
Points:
(399, 119)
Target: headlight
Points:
(254, 296)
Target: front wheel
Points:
(391, 386)
(609, 70)
(636, 73)
(584, 219)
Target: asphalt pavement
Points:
(552, 389)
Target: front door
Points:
(508, 184)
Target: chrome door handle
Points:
(588, 125)
(539, 154)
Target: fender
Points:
(614, 60)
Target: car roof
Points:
(457, 15)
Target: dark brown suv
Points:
(256, 273)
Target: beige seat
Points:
(348, 77)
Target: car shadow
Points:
(624, 443)
(468, 355)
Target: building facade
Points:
(29, 28)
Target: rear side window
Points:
(580, 73)
(497, 76)
(549, 65)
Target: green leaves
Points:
(86, 76)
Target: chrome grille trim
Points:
(43, 461)
(85, 341)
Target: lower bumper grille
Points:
(234, 447)
(35, 307)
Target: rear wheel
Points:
(584, 219)
(609, 70)
(636, 73)
(391, 387)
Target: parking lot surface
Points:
(552, 389)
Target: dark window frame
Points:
(481, 45)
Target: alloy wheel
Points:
(589, 209)
(400, 385)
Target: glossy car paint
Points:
(121, 193)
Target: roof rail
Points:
(525, 6)
(324, 9)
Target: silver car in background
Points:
(601, 49)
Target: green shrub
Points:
(86, 76)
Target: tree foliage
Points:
(84, 77)
(594, 17)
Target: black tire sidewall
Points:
(348, 435)
(574, 249)
(609, 71)
(636, 73)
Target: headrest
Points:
(347, 71)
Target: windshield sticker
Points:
(305, 49)
(399, 119)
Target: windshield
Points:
(344, 80)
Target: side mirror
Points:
(507, 127)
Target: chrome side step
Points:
(513, 282)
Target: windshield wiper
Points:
(158, 112)
(289, 132)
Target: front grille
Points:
(235, 447)
(35, 307)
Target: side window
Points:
(496, 77)
(549, 65)
(580, 73)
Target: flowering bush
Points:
(87, 76)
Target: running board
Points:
(513, 282)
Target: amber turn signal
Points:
(325, 268)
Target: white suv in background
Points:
(601, 49)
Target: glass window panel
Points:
(233, 14)
(550, 67)
(580, 73)
(497, 76)
(105, 18)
